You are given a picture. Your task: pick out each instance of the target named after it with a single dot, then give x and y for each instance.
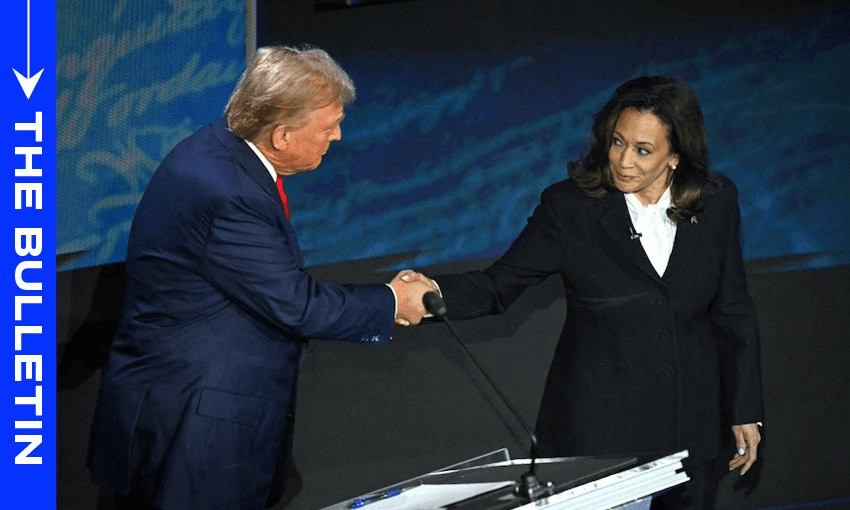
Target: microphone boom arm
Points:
(528, 486)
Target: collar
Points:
(264, 159)
(636, 207)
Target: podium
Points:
(487, 482)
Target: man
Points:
(194, 405)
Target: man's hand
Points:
(747, 439)
(409, 287)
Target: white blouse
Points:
(657, 231)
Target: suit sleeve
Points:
(735, 315)
(531, 258)
(252, 259)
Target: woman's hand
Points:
(747, 439)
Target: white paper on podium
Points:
(430, 497)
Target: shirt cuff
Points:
(395, 300)
(437, 286)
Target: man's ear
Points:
(280, 137)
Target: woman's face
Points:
(640, 156)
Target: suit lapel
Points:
(255, 169)
(616, 223)
(246, 157)
(688, 235)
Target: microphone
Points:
(435, 305)
(528, 486)
(634, 234)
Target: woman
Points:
(659, 350)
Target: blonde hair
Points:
(284, 86)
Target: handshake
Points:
(409, 287)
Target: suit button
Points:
(664, 335)
(661, 301)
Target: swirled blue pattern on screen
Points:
(444, 155)
(133, 79)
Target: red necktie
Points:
(279, 183)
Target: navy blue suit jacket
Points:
(193, 406)
(645, 364)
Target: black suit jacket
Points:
(644, 363)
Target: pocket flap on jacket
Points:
(229, 406)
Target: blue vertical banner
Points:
(27, 255)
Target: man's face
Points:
(307, 145)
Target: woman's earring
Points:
(672, 167)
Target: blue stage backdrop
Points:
(134, 78)
(444, 154)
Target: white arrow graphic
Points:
(28, 83)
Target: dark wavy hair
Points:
(676, 105)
